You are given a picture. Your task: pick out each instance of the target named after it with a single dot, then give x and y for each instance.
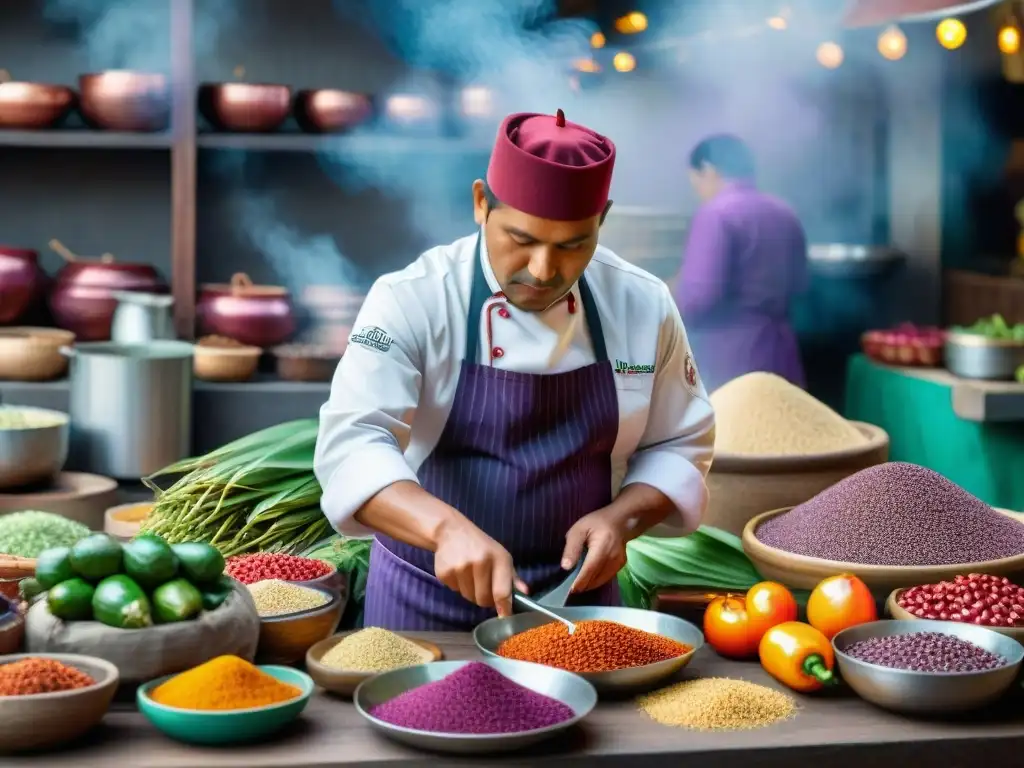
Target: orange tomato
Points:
(734, 626)
(727, 628)
(770, 604)
(839, 602)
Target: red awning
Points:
(871, 13)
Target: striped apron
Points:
(522, 456)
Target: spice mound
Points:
(374, 650)
(717, 704)
(226, 682)
(895, 514)
(761, 414)
(261, 566)
(595, 646)
(278, 598)
(990, 601)
(26, 534)
(475, 698)
(925, 652)
(27, 677)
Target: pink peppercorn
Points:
(261, 566)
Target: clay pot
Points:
(22, 282)
(245, 107)
(256, 315)
(33, 106)
(331, 111)
(125, 101)
(83, 297)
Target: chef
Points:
(514, 401)
(746, 259)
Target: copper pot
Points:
(245, 107)
(257, 315)
(32, 106)
(117, 100)
(22, 282)
(83, 297)
(332, 111)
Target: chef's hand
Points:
(473, 564)
(603, 536)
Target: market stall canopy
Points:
(870, 13)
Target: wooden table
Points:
(836, 731)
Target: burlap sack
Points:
(144, 654)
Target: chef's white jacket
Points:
(396, 382)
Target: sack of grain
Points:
(144, 654)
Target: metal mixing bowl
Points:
(35, 454)
(570, 689)
(928, 693)
(972, 356)
(489, 635)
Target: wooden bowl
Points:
(33, 354)
(285, 639)
(805, 572)
(742, 487)
(344, 683)
(125, 520)
(226, 364)
(893, 608)
(47, 720)
(296, 362)
(77, 496)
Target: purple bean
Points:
(925, 652)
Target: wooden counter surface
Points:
(838, 731)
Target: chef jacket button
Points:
(497, 352)
(504, 313)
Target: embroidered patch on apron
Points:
(372, 337)
(690, 373)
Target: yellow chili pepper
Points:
(798, 656)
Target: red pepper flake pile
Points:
(262, 566)
(31, 676)
(595, 646)
(978, 598)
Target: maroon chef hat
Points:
(550, 168)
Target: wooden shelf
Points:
(301, 142)
(84, 139)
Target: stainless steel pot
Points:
(141, 318)
(33, 455)
(131, 406)
(972, 356)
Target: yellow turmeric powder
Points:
(226, 682)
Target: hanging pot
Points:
(22, 282)
(83, 299)
(257, 315)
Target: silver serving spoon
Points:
(530, 605)
(556, 598)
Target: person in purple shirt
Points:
(745, 260)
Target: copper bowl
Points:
(332, 111)
(255, 315)
(33, 106)
(22, 282)
(138, 102)
(245, 107)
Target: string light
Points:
(951, 33)
(892, 44)
(624, 62)
(777, 23)
(1009, 40)
(586, 65)
(597, 40)
(631, 23)
(830, 55)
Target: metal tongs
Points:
(556, 598)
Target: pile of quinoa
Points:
(717, 704)
(895, 514)
(374, 650)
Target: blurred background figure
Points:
(746, 259)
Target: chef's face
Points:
(706, 181)
(536, 261)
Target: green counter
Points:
(916, 408)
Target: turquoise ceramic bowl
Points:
(236, 726)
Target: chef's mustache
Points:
(525, 278)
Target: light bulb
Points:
(951, 33)
(1009, 40)
(892, 44)
(631, 23)
(597, 40)
(624, 62)
(830, 55)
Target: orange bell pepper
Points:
(798, 656)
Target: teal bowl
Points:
(233, 726)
